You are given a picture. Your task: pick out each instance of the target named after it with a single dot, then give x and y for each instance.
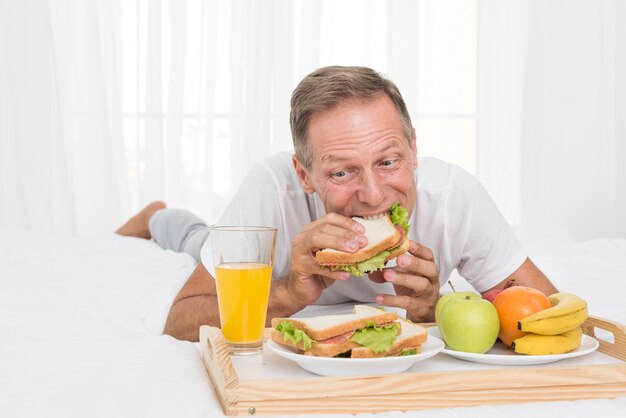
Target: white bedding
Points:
(81, 321)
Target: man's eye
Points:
(387, 163)
(341, 176)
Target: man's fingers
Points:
(329, 235)
(314, 242)
(415, 281)
(377, 276)
(335, 275)
(418, 267)
(418, 284)
(416, 310)
(337, 220)
(421, 251)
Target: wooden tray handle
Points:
(616, 349)
(216, 358)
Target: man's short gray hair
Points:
(328, 87)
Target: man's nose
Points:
(371, 190)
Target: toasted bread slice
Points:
(381, 234)
(400, 249)
(324, 327)
(412, 336)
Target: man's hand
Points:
(416, 282)
(307, 279)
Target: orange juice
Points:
(242, 292)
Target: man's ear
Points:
(303, 175)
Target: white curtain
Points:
(34, 176)
(106, 105)
(552, 114)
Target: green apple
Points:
(469, 324)
(449, 296)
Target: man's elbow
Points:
(178, 326)
(180, 332)
(188, 314)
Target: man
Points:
(355, 155)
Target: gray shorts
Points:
(178, 230)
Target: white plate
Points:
(331, 366)
(501, 355)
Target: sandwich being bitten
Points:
(387, 238)
(367, 332)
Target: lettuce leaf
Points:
(290, 333)
(377, 339)
(399, 216)
(366, 266)
(372, 264)
(408, 352)
(350, 269)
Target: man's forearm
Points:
(187, 315)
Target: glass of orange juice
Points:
(243, 258)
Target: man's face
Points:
(362, 162)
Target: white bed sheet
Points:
(81, 321)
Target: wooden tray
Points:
(412, 391)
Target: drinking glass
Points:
(243, 258)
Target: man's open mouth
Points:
(373, 217)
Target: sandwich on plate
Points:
(387, 238)
(365, 333)
(409, 340)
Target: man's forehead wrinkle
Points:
(332, 157)
(390, 144)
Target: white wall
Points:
(551, 141)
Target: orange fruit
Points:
(516, 303)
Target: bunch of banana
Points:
(555, 330)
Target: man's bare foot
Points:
(137, 226)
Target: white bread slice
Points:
(412, 336)
(324, 327)
(381, 234)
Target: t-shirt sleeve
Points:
(491, 251)
(254, 204)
